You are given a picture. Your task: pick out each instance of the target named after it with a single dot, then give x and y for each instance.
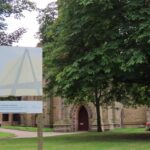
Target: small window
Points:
(16, 117)
(5, 117)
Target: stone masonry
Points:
(65, 117)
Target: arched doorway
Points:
(83, 120)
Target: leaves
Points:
(8, 39)
(96, 43)
(12, 8)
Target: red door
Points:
(83, 122)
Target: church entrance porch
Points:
(81, 117)
(83, 121)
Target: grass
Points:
(129, 130)
(22, 128)
(6, 135)
(121, 139)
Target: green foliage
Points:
(13, 8)
(98, 51)
(77, 82)
(107, 35)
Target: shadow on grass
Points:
(103, 137)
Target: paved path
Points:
(27, 134)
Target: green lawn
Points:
(6, 135)
(32, 129)
(122, 139)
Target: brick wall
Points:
(134, 116)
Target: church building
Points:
(68, 118)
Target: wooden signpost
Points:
(40, 131)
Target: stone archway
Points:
(74, 115)
(83, 119)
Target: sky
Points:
(29, 23)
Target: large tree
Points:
(99, 47)
(75, 61)
(13, 8)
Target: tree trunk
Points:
(97, 105)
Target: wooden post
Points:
(40, 131)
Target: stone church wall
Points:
(134, 117)
(65, 117)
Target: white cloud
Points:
(30, 23)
